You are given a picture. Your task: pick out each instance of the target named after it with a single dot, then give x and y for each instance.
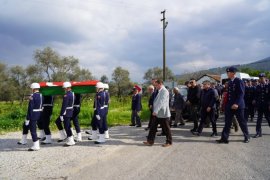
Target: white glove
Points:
(98, 117)
(26, 122)
(62, 118)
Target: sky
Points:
(105, 34)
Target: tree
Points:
(104, 79)
(80, 74)
(48, 60)
(157, 73)
(122, 82)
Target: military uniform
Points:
(236, 91)
(136, 107)
(262, 101)
(249, 107)
(66, 113)
(76, 111)
(46, 113)
(106, 106)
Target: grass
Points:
(13, 115)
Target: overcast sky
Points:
(104, 34)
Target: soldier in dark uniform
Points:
(65, 115)
(99, 115)
(262, 101)
(249, 95)
(208, 108)
(235, 106)
(33, 115)
(136, 107)
(75, 116)
(106, 106)
(46, 117)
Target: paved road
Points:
(125, 157)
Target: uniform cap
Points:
(35, 86)
(100, 85)
(66, 84)
(262, 75)
(231, 69)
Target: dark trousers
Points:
(211, 116)
(45, 118)
(194, 115)
(67, 125)
(98, 124)
(249, 111)
(32, 126)
(150, 119)
(239, 113)
(105, 123)
(40, 124)
(263, 110)
(135, 118)
(75, 119)
(164, 122)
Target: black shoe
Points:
(182, 124)
(214, 134)
(257, 135)
(193, 130)
(175, 125)
(43, 139)
(222, 141)
(139, 126)
(146, 129)
(132, 125)
(246, 141)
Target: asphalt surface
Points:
(125, 157)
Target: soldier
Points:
(249, 95)
(106, 106)
(234, 106)
(208, 108)
(33, 115)
(262, 101)
(99, 115)
(136, 107)
(75, 116)
(65, 115)
(46, 117)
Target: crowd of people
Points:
(237, 99)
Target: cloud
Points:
(106, 34)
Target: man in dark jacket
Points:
(208, 107)
(178, 106)
(136, 107)
(193, 99)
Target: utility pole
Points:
(165, 23)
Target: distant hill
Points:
(263, 65)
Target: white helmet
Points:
(106, 86)
(35, 86)
(66, 84)
(100, 85)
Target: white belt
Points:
(37, 110)
(69, 107)
(100, 107)
(47, 105)
(76, 105)
(105, 105)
